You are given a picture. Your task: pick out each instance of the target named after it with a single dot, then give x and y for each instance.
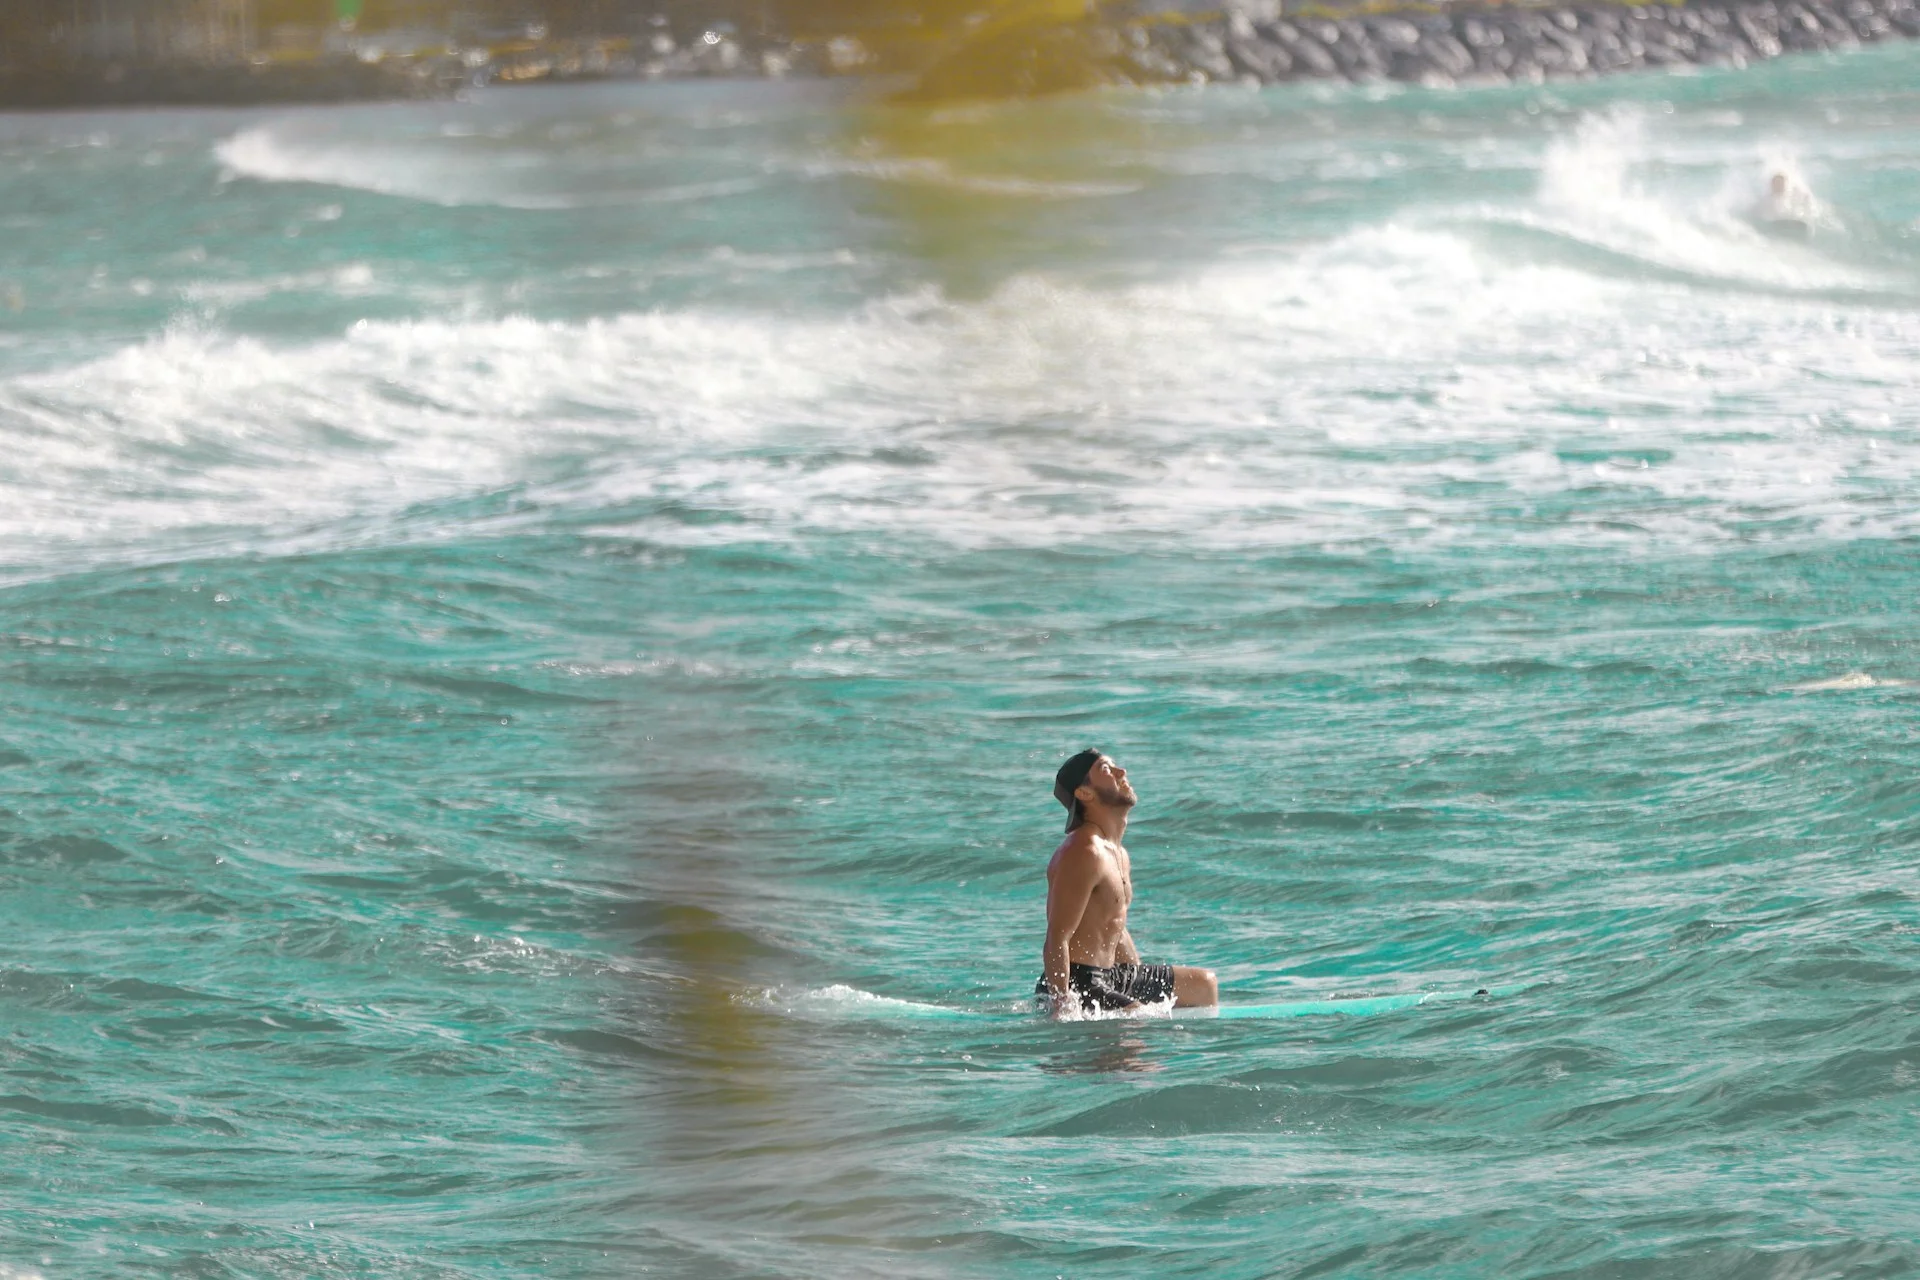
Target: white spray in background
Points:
(1320, 393)
(1616, 183)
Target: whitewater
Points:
(535, 633)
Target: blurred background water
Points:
(526, 622)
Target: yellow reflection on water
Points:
(948, 50)
(976, 192)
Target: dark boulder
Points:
(1264, 60)
(1501, 41)
(1394, 33)
(1761, 26)
(1446, 53)
(1477, 33)
(1309, 54)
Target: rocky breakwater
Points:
(417, 65)
(1504, 43)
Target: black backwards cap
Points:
(1068, 780)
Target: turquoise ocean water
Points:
(535, 632)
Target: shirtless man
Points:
(1089, 958)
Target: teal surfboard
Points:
(1357, 1006)
(849, 1003)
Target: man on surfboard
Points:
(1089, 959)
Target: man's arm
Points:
(1067, 897)
(1126, 952)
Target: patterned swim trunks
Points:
(1116, 986)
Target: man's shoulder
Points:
(1082, 844)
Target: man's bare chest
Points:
(1117, 882)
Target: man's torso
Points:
(1104, 923)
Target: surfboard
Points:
(1349, 1007)
(849, 1003)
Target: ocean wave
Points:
(1396, 381)
(420, 171)
(457, 156)
(1594, 190)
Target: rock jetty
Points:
(1250, 42)
(1501, 43)
(374, 70)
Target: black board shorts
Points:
(1116, 986)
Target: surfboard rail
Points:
(849, 1003)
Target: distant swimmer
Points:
(1089, 960)
(1787, 208)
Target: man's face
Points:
(1108, 782)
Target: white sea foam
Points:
(509, 161)
(348, 280)
(1398, 382)
(419, 170)
(840, 1001)
(1598, 186)
(1853, 680)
